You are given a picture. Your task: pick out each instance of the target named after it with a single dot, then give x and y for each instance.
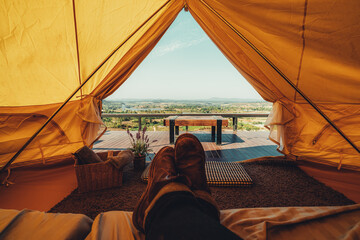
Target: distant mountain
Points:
(214, 99)
(211, 100)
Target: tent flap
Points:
(76, 125)
(315, 46)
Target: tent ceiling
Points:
(39, 47)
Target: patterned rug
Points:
(275, 184)
(221, 174)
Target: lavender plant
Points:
(140, 144)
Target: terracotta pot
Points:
(139, 162)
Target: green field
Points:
(167, 106)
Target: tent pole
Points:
(284, 77)
(71, 95)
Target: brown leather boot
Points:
(190, 161)
(162, 171)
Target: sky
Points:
(185, 64)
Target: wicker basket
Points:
(97, 176)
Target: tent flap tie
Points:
(6, 180)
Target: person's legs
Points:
(161, 173)
(177, 203)
(179, 215)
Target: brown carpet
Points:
(276, 184)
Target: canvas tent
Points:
(300, 55)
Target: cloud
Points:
(176, 45)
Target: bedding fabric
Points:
(29, 224)
(342, 222)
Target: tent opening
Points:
(185, 74)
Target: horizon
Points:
(239, 100)
(185, 65)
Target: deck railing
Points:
(234, 116)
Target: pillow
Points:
(122, 159)
(86, 156)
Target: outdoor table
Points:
(214, 121)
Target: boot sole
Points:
(188, 135)
(192, 137)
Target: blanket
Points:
(281, 223)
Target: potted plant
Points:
(140, 146)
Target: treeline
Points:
(123, 123)
(154, 123)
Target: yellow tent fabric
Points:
(316, 45)
(48, 49)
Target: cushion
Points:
(28, 224)
(86, 156)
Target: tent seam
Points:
(303, 48)
(77, 48)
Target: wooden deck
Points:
(235, 146)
